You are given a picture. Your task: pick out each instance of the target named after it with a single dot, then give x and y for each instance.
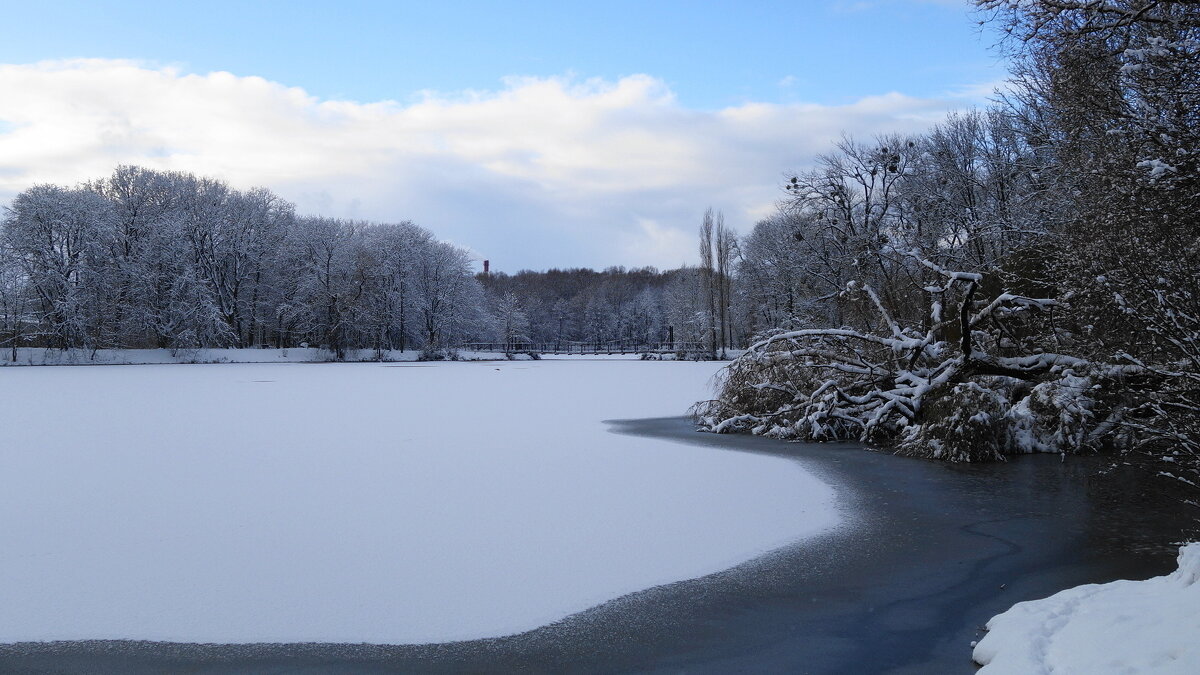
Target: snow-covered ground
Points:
(1150, 626)
(363, 502)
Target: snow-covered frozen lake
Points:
(385, 503)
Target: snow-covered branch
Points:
(877, 386)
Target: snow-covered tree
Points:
(1110, 93)
(54, 237)
(448, 299)
(511, 322)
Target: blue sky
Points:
(656, 71)
(712, 54)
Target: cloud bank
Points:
(541, 172)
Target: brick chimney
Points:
(485, 267)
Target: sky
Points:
(538, 135)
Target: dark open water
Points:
(933, 552)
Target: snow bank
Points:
(38, 356)
(1150, 626)
(383, 503)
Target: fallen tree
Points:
(970, 384)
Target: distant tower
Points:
(485, 267)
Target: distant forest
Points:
(691, 311)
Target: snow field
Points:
(378, 503)
(1150, 626)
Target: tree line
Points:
(160, 259)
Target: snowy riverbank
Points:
(1150, 626)
(38, 356)
(402, 503)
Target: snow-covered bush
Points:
(429, 353)
(523, 356)
(1078, 411)
(962, 423)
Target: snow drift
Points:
(1150, 626)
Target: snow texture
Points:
(375, 503)
(1150, 626)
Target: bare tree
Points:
(726, 245)
(708, 281)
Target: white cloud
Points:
(542, 172)
(651, 243)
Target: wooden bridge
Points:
(585, 348)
